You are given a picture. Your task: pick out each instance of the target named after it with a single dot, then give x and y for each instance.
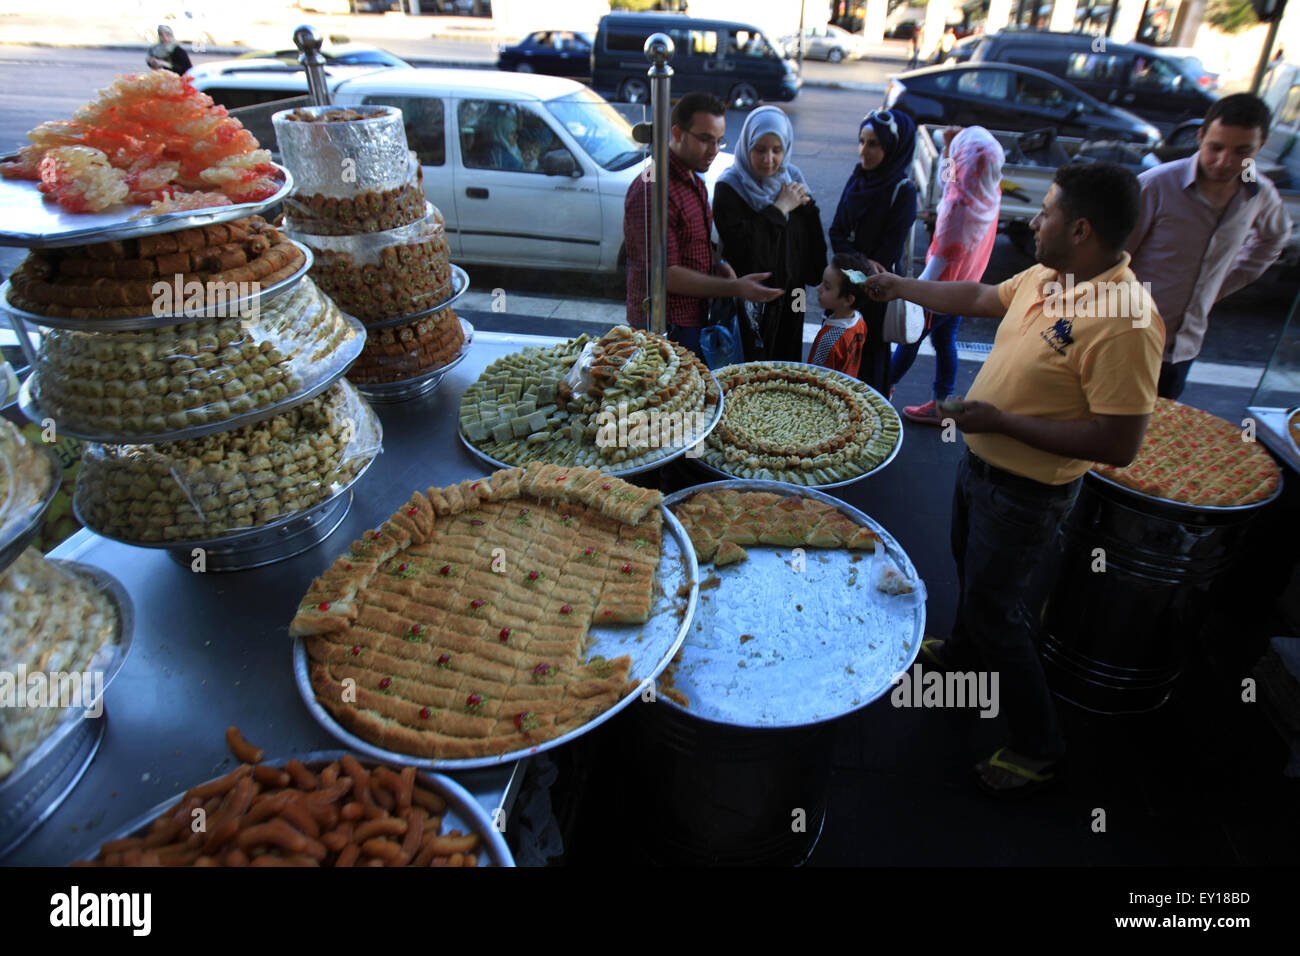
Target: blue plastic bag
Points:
(720, 341)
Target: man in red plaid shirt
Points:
(695, 275)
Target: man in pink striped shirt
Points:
(1208, 226)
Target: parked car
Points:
(734, 61)
(903, 30)
(1192, 67)
(827, 42)
(339, 54)
(1016, 98)
(551, 52)
(562, 210)
(961, 51)
(1137, 78)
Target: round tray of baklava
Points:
(313, 372)
(459, 286)
(404, 390)
(217, 302)
(43, 778)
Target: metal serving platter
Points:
(640, 464)
(28, 219)
(36, 787)
(245, 306)
(389, 393)
(772, 646)
(277, 540)
(337, 367)
(720, 473)
(464, 813)
(459, 286)
(1171, 508)
(15, 536)
(650, 645)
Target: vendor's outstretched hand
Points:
(883, 286)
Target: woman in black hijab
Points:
(876, 211)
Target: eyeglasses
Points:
(708, 142)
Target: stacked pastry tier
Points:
(116, 386)
(352, 170)
(627, 400)
(205, 488)
(398, 353)
(381, 275)
(1192, 457)
(454, 655)
(127, 278)
(51, 622)
(27, 479)
(799, 423)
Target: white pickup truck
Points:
(1032, 159)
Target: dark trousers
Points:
(1173, 378)
(876, 352)
(1002, 525)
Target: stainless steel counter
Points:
(1271, 429)
(211, 650)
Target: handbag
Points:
(720, 341)
(904, 321)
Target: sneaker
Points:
(927, 414)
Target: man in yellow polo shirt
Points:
(1071, 380)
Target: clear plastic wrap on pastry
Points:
(203, 488)
(26, 479)
(343, 152)
(114, 386)
(55, 623)
(383, 275)
(401, 352)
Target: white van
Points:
(555, 202)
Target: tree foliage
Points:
(1230, 16)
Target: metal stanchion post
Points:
(659, 48)
(308, 42)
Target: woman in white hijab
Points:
(768, 222)
(167, 54)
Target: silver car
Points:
(827, 42)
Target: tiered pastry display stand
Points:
(242, 548)
(43, 779)
(381, 248)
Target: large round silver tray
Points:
(14, 539)
(459, 286)
(464, 813)
(715, 470)
(36, 787)
(245, 306)
(824, 641)
(277, 540)
(389, 393)
(1170, 507)
(339, 362)
(650, 645)
(639, 464)
(30, 220)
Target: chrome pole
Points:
(308, 42)
(659, 49)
